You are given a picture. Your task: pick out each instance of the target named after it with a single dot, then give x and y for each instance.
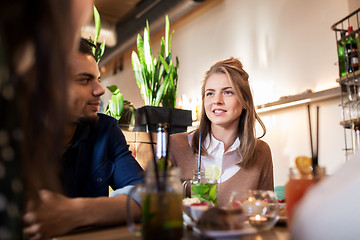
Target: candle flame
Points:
(257, 217)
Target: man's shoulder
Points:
(106, 118)
(106, 121)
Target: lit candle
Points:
(258, 221)
(258, 218)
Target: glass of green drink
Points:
(205, 189)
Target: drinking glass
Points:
(297, 186)
(204, 189)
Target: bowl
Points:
(197, 210)
(194, 208)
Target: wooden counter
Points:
(122, 233)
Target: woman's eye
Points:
(209, 94)
(228, 93)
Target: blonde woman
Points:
(227, 127)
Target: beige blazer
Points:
(257, 175)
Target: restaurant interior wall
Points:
(286, 46)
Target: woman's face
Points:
(222, 106)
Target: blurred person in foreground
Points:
(36, 39)
(227, 127)
(96, 156)
(330, 209)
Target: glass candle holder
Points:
(260, 207)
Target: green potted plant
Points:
(157, 80)
(120, 109)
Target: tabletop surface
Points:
(279, 232)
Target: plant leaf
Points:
(162, 47)
(113, 89)
(140, 80)
(160, 93)
(100, 51)
(170, 41)
(167, 26)
(97, 24)
(164, 63)
(147, 49)
(116, 105)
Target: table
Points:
(279, 232)
(110, 233)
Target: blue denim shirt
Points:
(99, 157)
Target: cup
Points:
(259, 206)
(161, 209)
(202, 188)
(297, 186)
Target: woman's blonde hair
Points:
(238, 79)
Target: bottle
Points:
(352, 52)
(161, 145)
(342, 55)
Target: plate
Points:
(247, 230)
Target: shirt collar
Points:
(235, 145)
(212, 144)
(82, 132)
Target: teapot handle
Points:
(129, 216)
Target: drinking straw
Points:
(311, 141)
(199, 156)
(168, 130)
(314, 153)
(153, 152)
(315, 159)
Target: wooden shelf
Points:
(298, 99)
(350, 123)
(350, 77)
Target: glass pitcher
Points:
(161, 206)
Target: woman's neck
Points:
(225, 135)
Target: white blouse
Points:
(226, 161)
